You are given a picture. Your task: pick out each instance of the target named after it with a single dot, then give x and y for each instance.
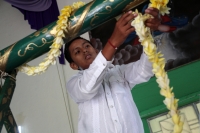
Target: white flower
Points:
(60, 33)
(164, 10)
(168, 102)
(59, 40)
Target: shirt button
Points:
(104, 64)
(108, 93)
(111, 106)
(115, 120)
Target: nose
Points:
(85, 50)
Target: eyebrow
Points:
(85, 42)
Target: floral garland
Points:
(61, 27)
(158, 61)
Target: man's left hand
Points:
(153, 23)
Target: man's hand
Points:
(122, 29)
(155, 23)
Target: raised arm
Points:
(122, 29)
(136, 72)
(141, 71)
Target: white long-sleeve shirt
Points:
(103, 94)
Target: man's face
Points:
(82, 53)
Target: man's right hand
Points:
(122, 29)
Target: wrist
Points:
(112, 45)
(115, 41)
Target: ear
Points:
(96, 50)
(74, 66)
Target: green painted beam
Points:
(6, 94)
(9, 122)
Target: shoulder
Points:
(73, 79)
(115, 70)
